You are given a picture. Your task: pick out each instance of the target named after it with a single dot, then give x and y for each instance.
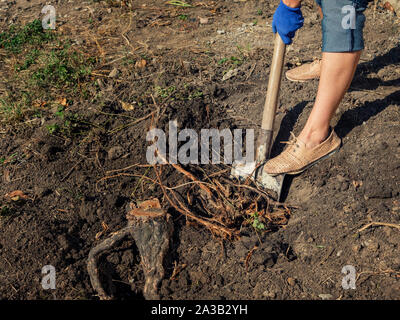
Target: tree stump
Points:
(151, 228)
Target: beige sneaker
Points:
(306, 72)
(296, 157)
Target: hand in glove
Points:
(287, 21)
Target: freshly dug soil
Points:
(206, 73)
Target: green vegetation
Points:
(17, 37)
(62, 67)
(53, 128)
(5, 211)
(256, 222)
(232, 61)
(164, 92)
(45, 69)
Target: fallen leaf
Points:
(291, 281)
(39, 104)
(17, 195)
(127, 106)
(62, 101)
(140, 64)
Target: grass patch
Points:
(164, 92)
(17, 37)
(232, 61)
(41, 69)
(62, 67)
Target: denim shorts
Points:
(342, 25)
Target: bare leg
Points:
(337, 72)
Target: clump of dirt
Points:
(78, 157)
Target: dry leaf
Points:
(62, 101)
(127, 106)
(291, 281)
(140, 64)
(17, 195)
(39, 104)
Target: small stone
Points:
(220, 31)
(356, 248)
(204, 20)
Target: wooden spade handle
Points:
(271, 101)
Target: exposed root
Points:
(371, 224)
(94, 255)
(214, 228)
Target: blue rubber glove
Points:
(287, 21)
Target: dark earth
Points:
(65, 185)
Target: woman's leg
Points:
(342, 45)
(337, 72)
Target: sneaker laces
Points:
(292, 141)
